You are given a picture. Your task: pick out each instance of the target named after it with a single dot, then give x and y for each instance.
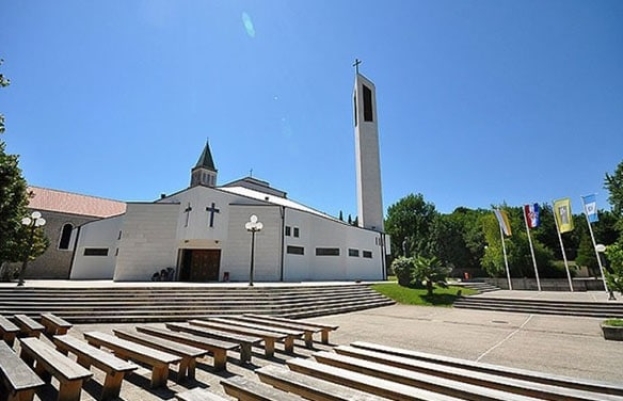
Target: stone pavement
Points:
(570, 346)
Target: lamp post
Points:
(253, 226)
(35, 220)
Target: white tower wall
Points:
(369, 193)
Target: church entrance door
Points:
(200, 265)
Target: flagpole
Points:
(508, 272)
(536, 270)
(562, 248)
(590, 230)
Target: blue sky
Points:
(479, 102)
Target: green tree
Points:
(410, 219)
(430, 272)
(586, 255)
(614, 185)
(614, 252)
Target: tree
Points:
(403, 269)
(614, 253)
(430, 272)
(614, 185)
(410, 219)
(586, 255)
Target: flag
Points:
(590, 208)
(502, 217)
(562, 212)
(532, 215)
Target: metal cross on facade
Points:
(212, 209)
(187, 211)
(356, 65)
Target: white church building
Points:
(200, 231)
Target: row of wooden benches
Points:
(180, 343)
(371, 372)
(49, 324)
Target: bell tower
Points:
(367, 155)
(204, 173)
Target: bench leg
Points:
(70, 391)
(325, 336)
(220, 360)
(192, 366)
(182, 370)
(9, 338)
(44, 374)
(269, 347)
(245, 353)
(27, 358)
(23, 395)
(309, 341)
(159, 376)
(112, 385)
(289, 344)
(83, 361)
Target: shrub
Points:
(403, 269)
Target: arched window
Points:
(65, 236)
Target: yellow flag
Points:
(564, 218)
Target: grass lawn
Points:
(417, 296)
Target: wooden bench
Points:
(245, 342)
(28, 326)
(158, 360)
(369, 384)
(488, 380)
(308, 331)
(291, 335)
(48, 362)
(522, 374)
(87, 355)
(18, 379)
(54, 325)
(216, 347)
(189, 354)
(425, 381)
(198, 394)
(324, 328)
(269, 337)
(8, 330)
(310, 387)
(244, 389)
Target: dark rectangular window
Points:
(296, 232)
(119, 236)
(95, 251)
(288, 230)
(367, 104)
(367, 254)
(353, 252)
(355, 107)
(327, 251)
(296, 250)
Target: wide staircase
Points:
(170, 303)
(587, 309)
(479, 286)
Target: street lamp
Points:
(35, 220)
(253, 227)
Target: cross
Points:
(251, 173)
(187, 211)
(212, 209)
(356, 65)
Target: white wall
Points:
(236, 257)
(148, 242)
(96, 234)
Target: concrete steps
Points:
(587, 309)
(170, 303)
(481, 287)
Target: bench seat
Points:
(49, 362)
(87, 355)
(244, 389)
(198, 394)
(188, 353)
(269, 337)
(18, 379)
(8, 330)
(54, 325)
(28, 327)
(308, 331)
(310, 387)
(158, 360)
(245, 342)
(324, 328)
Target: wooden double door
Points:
(200, 265)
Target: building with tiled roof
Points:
(72, 203)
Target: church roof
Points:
(71, 203)
(205, 160)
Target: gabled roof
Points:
(205, 160)
(71, 203)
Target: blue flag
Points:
(590, 208)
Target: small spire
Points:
(205, 160)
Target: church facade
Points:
(199, 233)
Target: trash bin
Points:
(225, 276)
